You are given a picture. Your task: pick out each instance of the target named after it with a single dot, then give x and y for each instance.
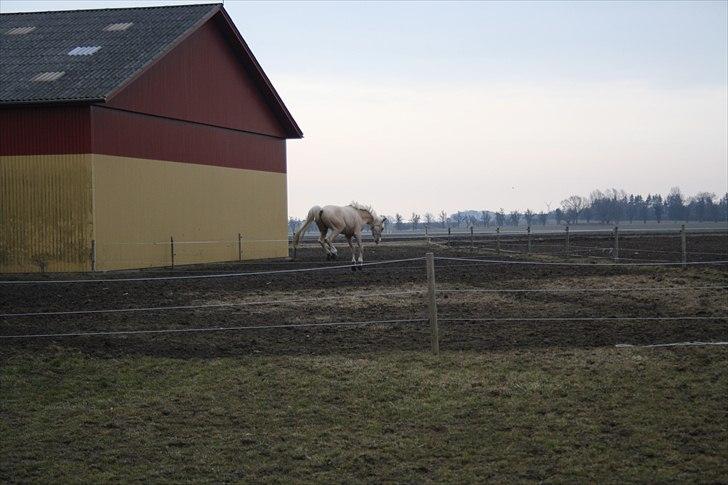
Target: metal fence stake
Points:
(684, 243)
(240, 247)
(432, 304)
(171, 249)
(448, 236)
(93, 254)
(566, 247)
(497, 240)
(472, 242)
(616, 243)
(528, 231)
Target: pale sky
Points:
(425, 106)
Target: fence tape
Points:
(211, 305)
(193, 277)
(212, 329)
(564, 263)
(673, 344)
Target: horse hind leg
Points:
(322, 242)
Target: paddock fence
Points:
(428, 294)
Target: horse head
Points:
(377, 226)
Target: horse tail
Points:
(313, 214)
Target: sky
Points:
(430, 106)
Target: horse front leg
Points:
(360, 247)
(353, 253)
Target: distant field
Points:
(516, 399)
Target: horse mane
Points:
(365, 208)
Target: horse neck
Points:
(366, 216)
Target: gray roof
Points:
(122, 53)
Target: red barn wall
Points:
(202, 80)
(33, 130)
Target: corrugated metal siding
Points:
(133, 135)
(202, 80)
(45, 213)
(139, 204)
(45, 130)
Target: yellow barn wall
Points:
(45, 213)
(139, 204)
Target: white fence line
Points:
(576, 290)
(577, 319)
(211, 305)
(207, 276)
(213, 329)
(565, 263)
(673, 344)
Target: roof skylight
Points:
(46, 77)
(20, 30)
(118, 27)
(83, 51)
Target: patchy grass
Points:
(562, 415)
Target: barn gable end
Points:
(207, 78)
(169, 129)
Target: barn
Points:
(137, 137)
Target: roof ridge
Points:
(210, 4)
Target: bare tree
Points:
(573, 207)
(458, 217)
(500, 217)
(515, 217)
(543, 217)
(485, 217)
(398, 221)
(415, 220)
(429, 218)
(443, 218)
(529, 215)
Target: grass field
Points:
(606, 414)
(514, 400)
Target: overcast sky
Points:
(429, 106)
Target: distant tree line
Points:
(611, 206)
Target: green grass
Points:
(562, 415)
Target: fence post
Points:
(567, 242)
(497, 240)
(240, 246)
(472, 241)
(171, 249)
(432, 304)
(683, 242)
(528, 231)
(93, 254)
(448, 235)
(616, 243)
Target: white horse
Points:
(347, 220)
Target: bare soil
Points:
(646, 301)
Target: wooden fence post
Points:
(497, 240)
(567, 248)
(240, 246)
(683, 242)
(472, 242)
(93, 254)
(528, 231)
(432, 304)
(616, 243)
(171, 249)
